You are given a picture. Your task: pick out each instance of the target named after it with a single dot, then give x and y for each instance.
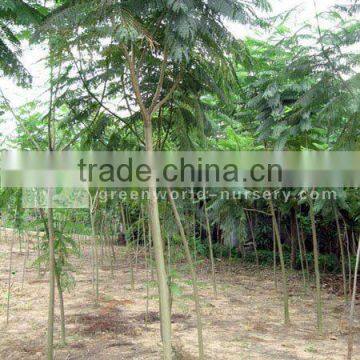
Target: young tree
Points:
(154, 47)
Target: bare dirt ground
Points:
(245, 320)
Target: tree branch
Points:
(168, 95)
(160, 82)
(134, 80)
(100, 102)
(19, 120)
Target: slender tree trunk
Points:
(194, 234)
(151, 262)
(352, 306)
(123, 220)
(128, 238)
(158, 249)
(132, 277)
(301, 251)
(38, 250)
(61, 306)
(146, 114)
(293, 238)
(2, 229)
(58, 271)
(192, 272)
(9, 278)
(208, 230)
(169, 270)
(25, 260)
(146, 245)
(317, 271)
(346, 237)
(253, 238)
(138, 241)
(305, 252)
(353, 243)
(342, 256)
(92, 257)
(274, 255)
(113, 255)
(96, 257)
(282, 264)
(96, 245)
(50, 332)
(101, 228)
(20, 241)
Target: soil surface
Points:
(244, 321)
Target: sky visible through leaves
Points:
(33, 56)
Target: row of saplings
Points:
(135, 234)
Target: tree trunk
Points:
(282, 264)
(20, 242)
(317, 271)
(9, 279)
(169, 271)
(38, 250)
(194, 232)
(146, 246)
(293, 238)
(123, 220)
(342, 256)
(208, 230)
(301, 251)
(192, 272)
(352, 306)
(304, 251)
(62, 310)
(253, 238)
(113, 256)
(158, 249)
(50, 331)
(129, 241)
(25, 260)
(346, 236)
(274, 255)
(101, 231)
(96, 257)
(138, 241)
(353, 243)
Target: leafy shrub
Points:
(265, 257)
(327, 262)
(222, 251)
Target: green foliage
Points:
(15, 13)
(296, 89)
(65, 248)
(327, 262)
(223, 251)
